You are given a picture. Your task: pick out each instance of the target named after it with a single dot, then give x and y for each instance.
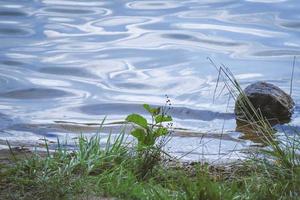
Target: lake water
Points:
(77, 61)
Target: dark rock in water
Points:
(269, 100)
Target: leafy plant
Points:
(148, 133)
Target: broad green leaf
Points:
(162, 118)
(139, 134)
(138, 120)
(161, 132)
(147, 107)
(152, 111)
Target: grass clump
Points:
(94, 172)
(61, 174)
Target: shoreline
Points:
(116, 172)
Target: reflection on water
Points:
(33, 93)
(79, 61)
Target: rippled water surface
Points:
(81, 60)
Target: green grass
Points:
(114, 171)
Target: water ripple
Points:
(235, 29)
(276, 53)
(12, 13)
(152, 5)
(186, 37)
(56, 11)
(15, 31)
(71, 71)
(34, 93)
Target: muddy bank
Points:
(10, 156)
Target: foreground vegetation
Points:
(94, 172)
(122, 170)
